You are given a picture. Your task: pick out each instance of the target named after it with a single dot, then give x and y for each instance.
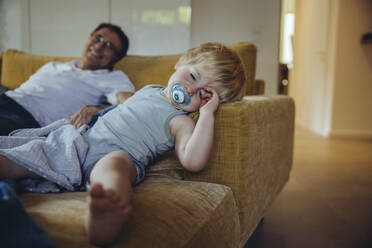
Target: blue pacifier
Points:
(180, 95)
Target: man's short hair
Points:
(122, 36)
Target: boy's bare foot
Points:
(106, 215)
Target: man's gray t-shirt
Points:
(57, 90)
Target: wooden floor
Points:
(328, 199)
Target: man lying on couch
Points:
(60, 90)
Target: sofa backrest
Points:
(18, 66)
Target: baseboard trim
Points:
(338, 133)
(312, 130)
(347, 133)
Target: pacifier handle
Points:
(180, 95)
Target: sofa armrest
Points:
(252, 154)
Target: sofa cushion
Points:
(167, 213)
(18, 66)
(144, 70)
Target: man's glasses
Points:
(107, 44)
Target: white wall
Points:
(256, 21)
(332, 73)
(14, 29)
(61, 28)
(309, 80)
(55, 27)
(352, 101)
(154, 27)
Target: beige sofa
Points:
(218, 207)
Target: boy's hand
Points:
(212, 102)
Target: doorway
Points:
(287, 24)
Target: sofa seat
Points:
(167, 213)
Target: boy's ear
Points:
(176, 65)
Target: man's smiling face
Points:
(101, 50)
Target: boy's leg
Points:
(9, 169)
(109, 197)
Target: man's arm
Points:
(194, 142)
(86, 114)
(123, 96)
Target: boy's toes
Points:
(96, 190)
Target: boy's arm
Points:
(194, 142)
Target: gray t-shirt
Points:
(57, 90)
(139, 127)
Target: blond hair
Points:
(225, 66)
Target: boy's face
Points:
(194, 78)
